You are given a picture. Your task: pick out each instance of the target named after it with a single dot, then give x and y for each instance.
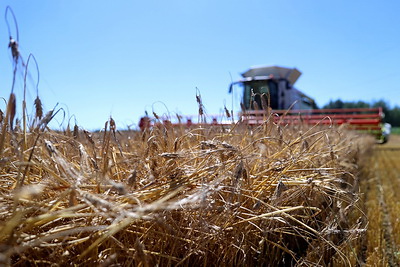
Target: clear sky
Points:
(119, 58)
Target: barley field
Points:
(201, 195)
(215, 196)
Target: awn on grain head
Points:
(38, 102)
(13, 43)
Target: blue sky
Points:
(119, 58)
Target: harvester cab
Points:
(276, 85)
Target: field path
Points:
(382, 205)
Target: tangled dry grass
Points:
(217, 195)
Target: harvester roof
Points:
(291, 74)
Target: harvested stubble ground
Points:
(217, 196)
(382, 205)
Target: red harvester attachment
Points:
(367, 120)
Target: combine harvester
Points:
(270, 90)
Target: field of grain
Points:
(211, 195)
(268, 195)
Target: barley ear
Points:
(38, 108)
(76, 132)
(12, 109)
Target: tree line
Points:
(392, 115)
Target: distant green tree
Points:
(395, 116)
(358, 104)
(349, 104)
(334, 104)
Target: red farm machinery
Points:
(270, 90)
